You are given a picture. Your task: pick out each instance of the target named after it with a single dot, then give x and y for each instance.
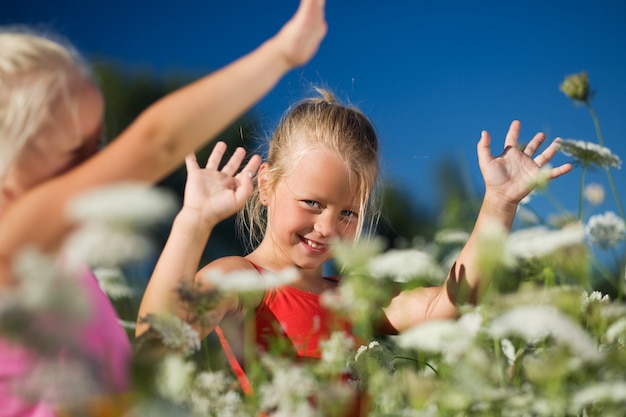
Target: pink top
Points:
(102, 339)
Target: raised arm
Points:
(160, 137)
(508, 177)
(211, 196)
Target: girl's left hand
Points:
(217, 194)
(513, 174)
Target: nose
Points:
(326, 225)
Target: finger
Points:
(560, 170)
(483, 149)
(251, 167)
(534, 144)
(216, 156)
(234, 162)
(191, 162)
(512, 135)
(545, 156)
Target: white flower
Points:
(605, 230)
(113, 283)
(490, 247)
(508, 350)
(606, 391)
(363, 348)
(451, 338)
(290, 386)
(594, 193)
(100, 245)
(527, 215)
(354, 255)
(125, 203)
(213, 394)
(594, 297)
(541, 321)
(174, 377)
(45, 285)
(174, 332)
(616, 332)
(539, 241)
(68, 382)
(450, 236)
(590, 154)
(250, 280)
(402, 265)
(336, 350)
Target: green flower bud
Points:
(576, 87)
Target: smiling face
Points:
(70, 136)
(307, 210)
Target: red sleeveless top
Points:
(293, 322)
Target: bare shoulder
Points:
(229, 264)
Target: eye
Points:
(351, 214)
(312, 203)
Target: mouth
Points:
(315, 246)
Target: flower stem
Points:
(582, 191)
(596, 123)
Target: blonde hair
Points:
(35, 72)
(319, 123)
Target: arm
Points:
(160, 137)
(508, 179)
(210, 197)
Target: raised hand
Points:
(301, 36)
(218, 194)
(512, 174)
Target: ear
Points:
(264, 183)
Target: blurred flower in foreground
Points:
(538, 241)
(576, 87)
(592, 298)
(174, 377)
(212, 394)
(113, 283)
(590, 154)
(605, 230)
(174, 333)
(610, 391)
(535, 322)
(132, 204)
(594, 193)
(250, 280)
(451, 338)
(402, 265)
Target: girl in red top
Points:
(315, 188)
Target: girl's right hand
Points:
(301, 36)
(218, 194)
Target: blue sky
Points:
(430, 74)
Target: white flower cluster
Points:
(605, 230)
(535, 322)
(336, 350)
(451, 338)
(249, 280)
(113, 283)
(174, 377)
(591, 298)
(403, 265)
(539, 241)
(175, 333)
(212, 394)
(288, 391)
(108, 218)
(590, 154)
